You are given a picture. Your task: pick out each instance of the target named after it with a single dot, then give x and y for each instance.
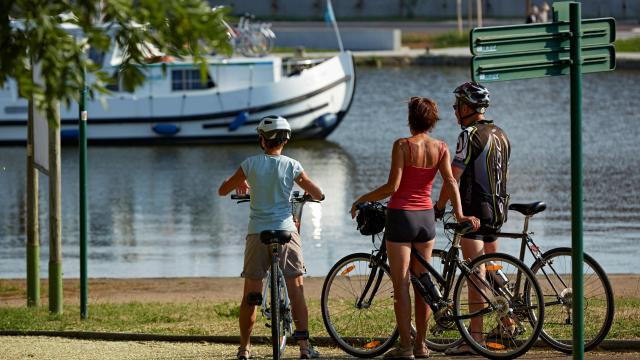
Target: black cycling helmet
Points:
(474, 95)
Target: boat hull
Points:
(315, 101)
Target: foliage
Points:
(628, 45)
(175, 27)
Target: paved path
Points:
(44, 348)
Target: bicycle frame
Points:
(267, 288)
(528, 243)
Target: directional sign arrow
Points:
(539, 63)
(534, 37)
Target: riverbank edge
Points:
(441, 57)
(606, 345)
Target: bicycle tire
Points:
(275, 309)
(557, 265)
(514, 320)
(444, 335)
(367, 329)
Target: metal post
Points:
(82, 144)
(479, 14)
(576, 179)
(33, 224)
(55, 217)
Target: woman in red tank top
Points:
(410, 219)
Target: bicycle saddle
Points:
(275, 236)
(529, 209)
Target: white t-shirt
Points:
(271, 178)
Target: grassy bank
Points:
(208, 318)
(434, 41)
(628, 45)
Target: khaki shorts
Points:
(257, 258)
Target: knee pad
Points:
(301, 335)
(254, 298)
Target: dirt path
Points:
(182, 290)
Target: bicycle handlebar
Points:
(295, 197)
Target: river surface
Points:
(155, 212)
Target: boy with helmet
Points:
(270, 177)
(481, 166)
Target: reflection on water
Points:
(154, 211)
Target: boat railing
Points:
(294, 66)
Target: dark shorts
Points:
(484, 233)
(403, 226)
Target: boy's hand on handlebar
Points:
(475, 222)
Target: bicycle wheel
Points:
(554, 276)
(442, 333)
(499, 319)
(357, 306)
(276, 317)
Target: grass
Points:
(206, 318)
(443, 40)
(196, 318)
(628, 45)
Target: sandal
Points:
(421, 354)
(460, 350)
(243, 354)
(400, 354)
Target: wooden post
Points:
(33, 224)
(470, 14)
(55, 217)
(459, 15)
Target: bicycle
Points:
(553, 271)
(275, 305)
(357, 301)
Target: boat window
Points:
(189, 79)
(115, 83)
(97, 56)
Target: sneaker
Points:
(460, 350)
(400, 354)
(309, 353)
(503, 332)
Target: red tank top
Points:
(414, 192)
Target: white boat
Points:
(174, 106)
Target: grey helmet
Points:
(273, 126)
(474, 95)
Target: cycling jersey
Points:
(483, 152)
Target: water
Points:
(155, 212)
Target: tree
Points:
(33, 31)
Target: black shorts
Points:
(484, 233)
(408, 226)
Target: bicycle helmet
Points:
(474, 95)
(274, 127)
(371, 218)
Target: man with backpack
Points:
(481, 166)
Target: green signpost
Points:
(566, 46)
